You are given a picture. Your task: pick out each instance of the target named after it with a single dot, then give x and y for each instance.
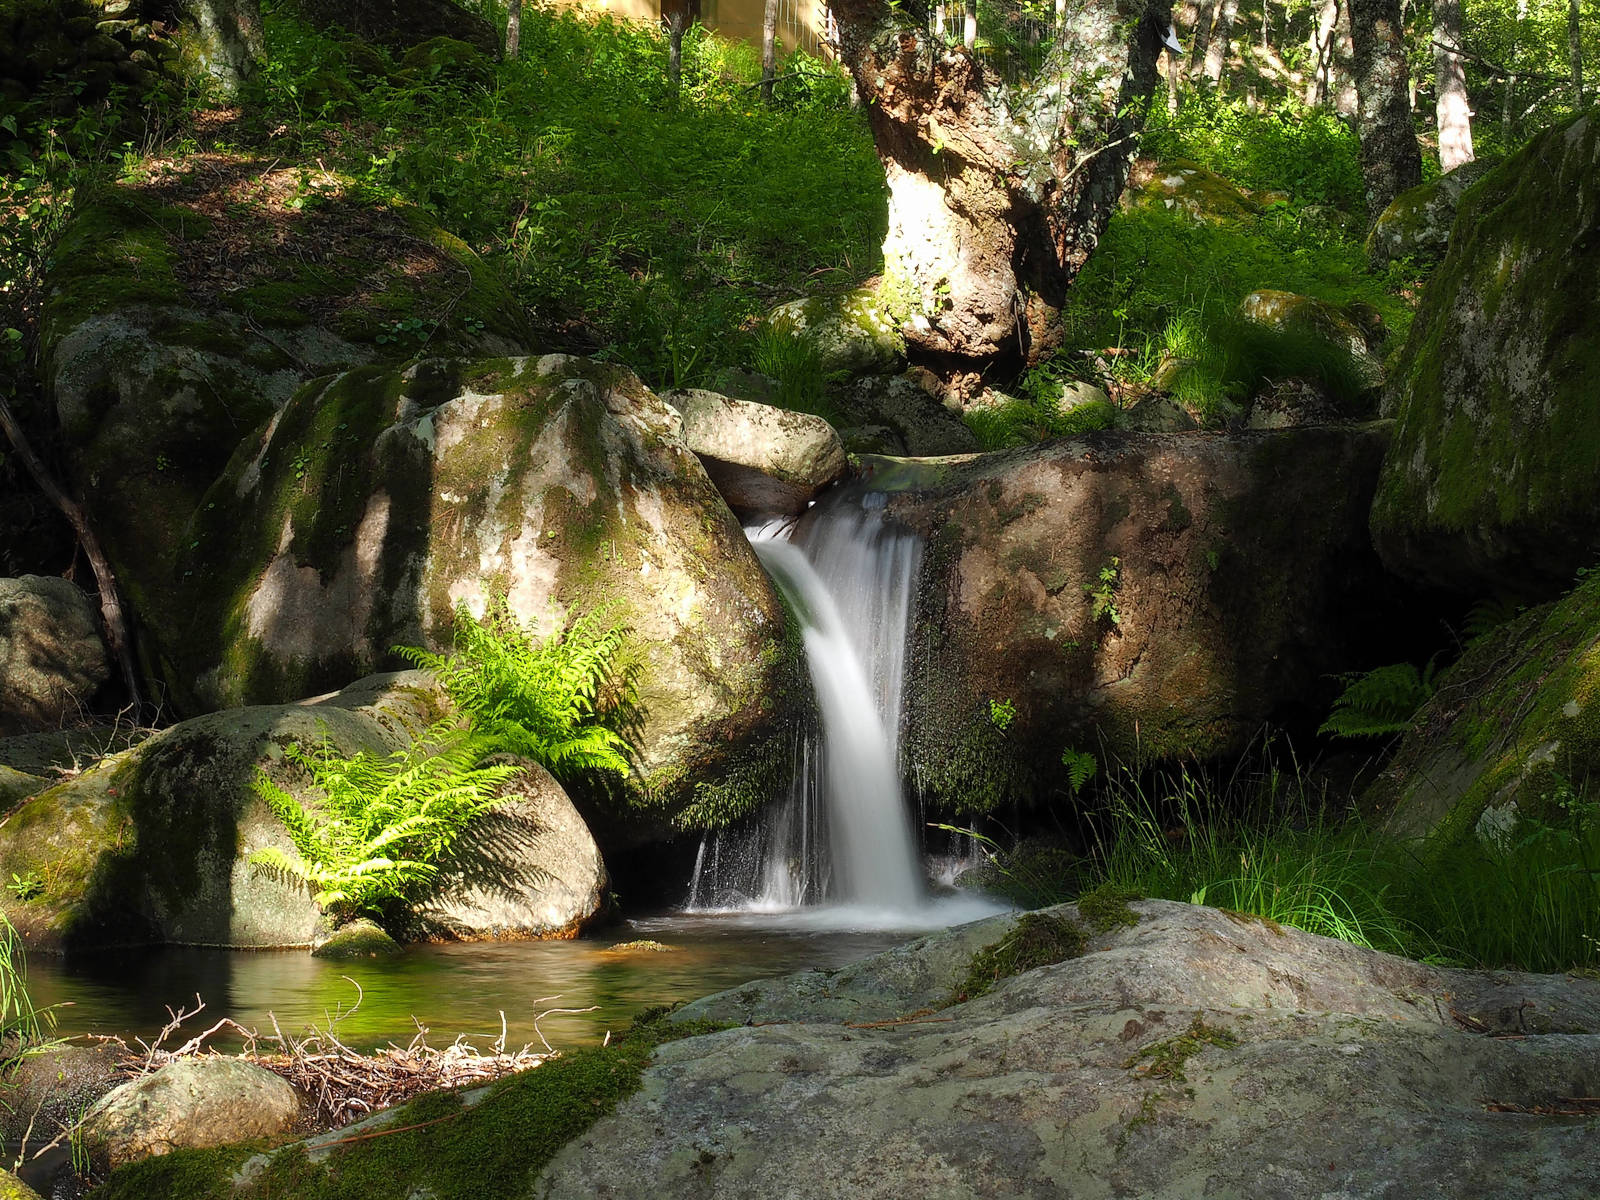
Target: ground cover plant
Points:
(633, 221)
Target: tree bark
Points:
(513, 29)
(1454, 111)
(1320, 90)
(1221, 40)
(1390, 159)
(996, 197)
(1575, 50)
(677, 23)
(769, 48)
(1205, 16)
(969, 25)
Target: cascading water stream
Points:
(843, 836)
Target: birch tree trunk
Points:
(1320, 90)
(1454, 111)
(1575, 49)
(996, 197)
(1205, 16)
(1390, 159)
(969, 25)
(769, 48)
(513, 29)
(1221, 40)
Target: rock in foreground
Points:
(1197, 1054)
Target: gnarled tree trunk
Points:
(1390, 159)
(998, 195)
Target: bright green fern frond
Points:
(1383, 701)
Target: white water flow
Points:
(843, 835)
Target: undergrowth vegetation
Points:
(633, 221)
(1269, 843)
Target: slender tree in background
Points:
(1221, 40)
(1454, 110)
(1205, 16)
(997, 195)
(1575, 51)
(969, 25)
(677, 24)
(769, 48)
(513, 29)
(1390, 159)
(1320, 90)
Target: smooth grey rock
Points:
(528, 869)
(190, 1103)
(764, 460)
(1157, 414)
(1351, 1074)
(1417, 223)
(52, 659)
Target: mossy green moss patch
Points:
(441, 1147)
(1036, 940)
(1167, 1059)
(1105, 908)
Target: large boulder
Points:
(765, 461)
(1198, 1053)
(153, 844)
(1513, 730)
(186, 306)
(191, 1103)
(52, 659)
(377, 502)
(1152, 595)
(1188, 189)
(1417, 223)
(1493, 480)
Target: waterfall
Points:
(843, 835)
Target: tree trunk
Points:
(769, 48)
(1575, 50)
(1390, 160)
(513, 29)
(227, 40)
(1221, 41)
(997, 197)
(1205, 15)
(1454, 110)
(1320, 91)
(969, 25)
(677, 23)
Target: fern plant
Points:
(536, 699)
(1380, 702)
(383, 822)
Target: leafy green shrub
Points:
(1381, 701)
(1305, 151)
(548, 699)
(383, 823)
(1234, 357)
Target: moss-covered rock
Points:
(1152, 595)
(361, 938)
(1513, 727)
(1416, 225)
(152, 844)
(855, 333)
(16, 786)
(1493, 480)
(186, 306)
(12, 1188)
(376, 502)
(1188, 188)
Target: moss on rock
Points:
(1513, 726)
(1493, 479)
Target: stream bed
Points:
(461, 988)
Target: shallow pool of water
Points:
(465, 988)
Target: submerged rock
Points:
(1198, 1053)
(361, 938)
(1142, 594)
(52, 659)
(1493, 480)
(190, 1103)
(765, 461)
(1512, 732)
